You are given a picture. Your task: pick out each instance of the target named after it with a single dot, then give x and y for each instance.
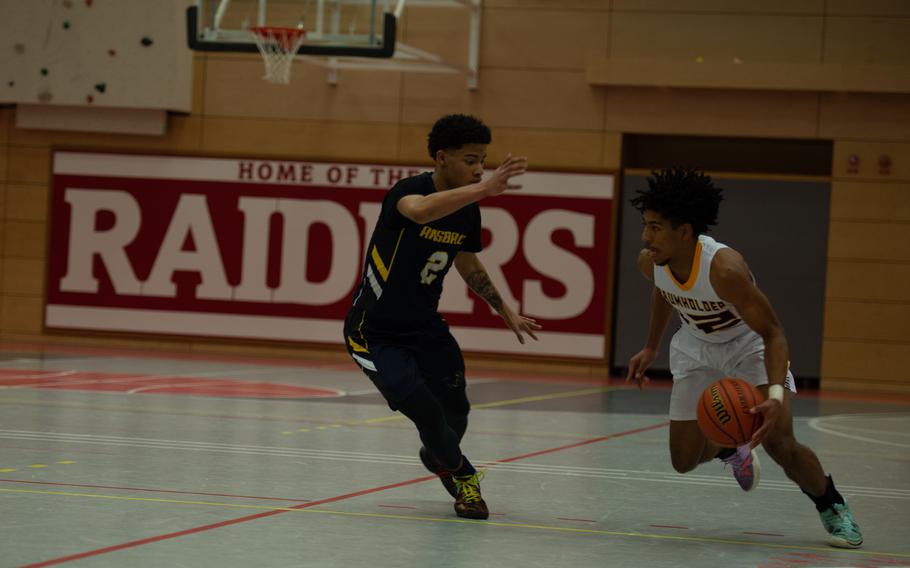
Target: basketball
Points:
(723, 412)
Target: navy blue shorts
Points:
(397, 365)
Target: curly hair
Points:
(454, 131)
(681, 195)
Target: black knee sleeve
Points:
(454, 400)
(451, 394)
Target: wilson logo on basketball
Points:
(720, 410)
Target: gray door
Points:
(780, 227)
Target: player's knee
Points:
(423, 409)
(458, 405)
(455, 398)
(780, 447)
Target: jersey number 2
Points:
(713, 322)
(435, 263)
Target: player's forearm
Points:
(660, 316)
(437, 205)
(479, 281)
(777, 357)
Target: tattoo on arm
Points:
(479, 281)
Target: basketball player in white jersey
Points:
(728, 329)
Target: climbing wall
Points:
(95, 53)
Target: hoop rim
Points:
(265, 31)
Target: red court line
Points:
(264, 514)
(580, 520)
(336, 358)
(57, 484)
(582, 443)
(669, 527)
(139, 383)
(343, 361)
(203, 528)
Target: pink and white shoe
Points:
(746, 468)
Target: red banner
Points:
(273, 250)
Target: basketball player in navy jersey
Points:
(393, 330)
(728, 328)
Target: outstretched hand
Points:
(510, 167)
(638, 364)
(521, 325)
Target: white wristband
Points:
(776, 392)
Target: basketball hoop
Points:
(278, 47)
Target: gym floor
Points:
(116, 458)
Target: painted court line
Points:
(551, 396)
(574, 519)
(794, 549)
(582, 443)
(510, 402)
(272, 512)
(669, 527)
(172, 491)
(264, 514)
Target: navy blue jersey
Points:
(406, 264)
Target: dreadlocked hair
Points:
(682, 195)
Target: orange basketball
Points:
(723, 412)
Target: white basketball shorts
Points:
(696, 363)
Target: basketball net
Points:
(278, 47)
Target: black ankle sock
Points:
(828, 498)
(724, 453)
(465, 469)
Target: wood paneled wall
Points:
(534, 93)
(867, 305)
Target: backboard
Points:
(340, 34)
(343, 28)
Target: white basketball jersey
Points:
(700, 309)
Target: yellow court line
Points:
(501, 524)
(260, 417)
(551, 396)
(278, 418)
(391, 418)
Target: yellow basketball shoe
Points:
(468, 503)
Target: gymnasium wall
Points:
(788, 261)
(867, 303)
(538, 92)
